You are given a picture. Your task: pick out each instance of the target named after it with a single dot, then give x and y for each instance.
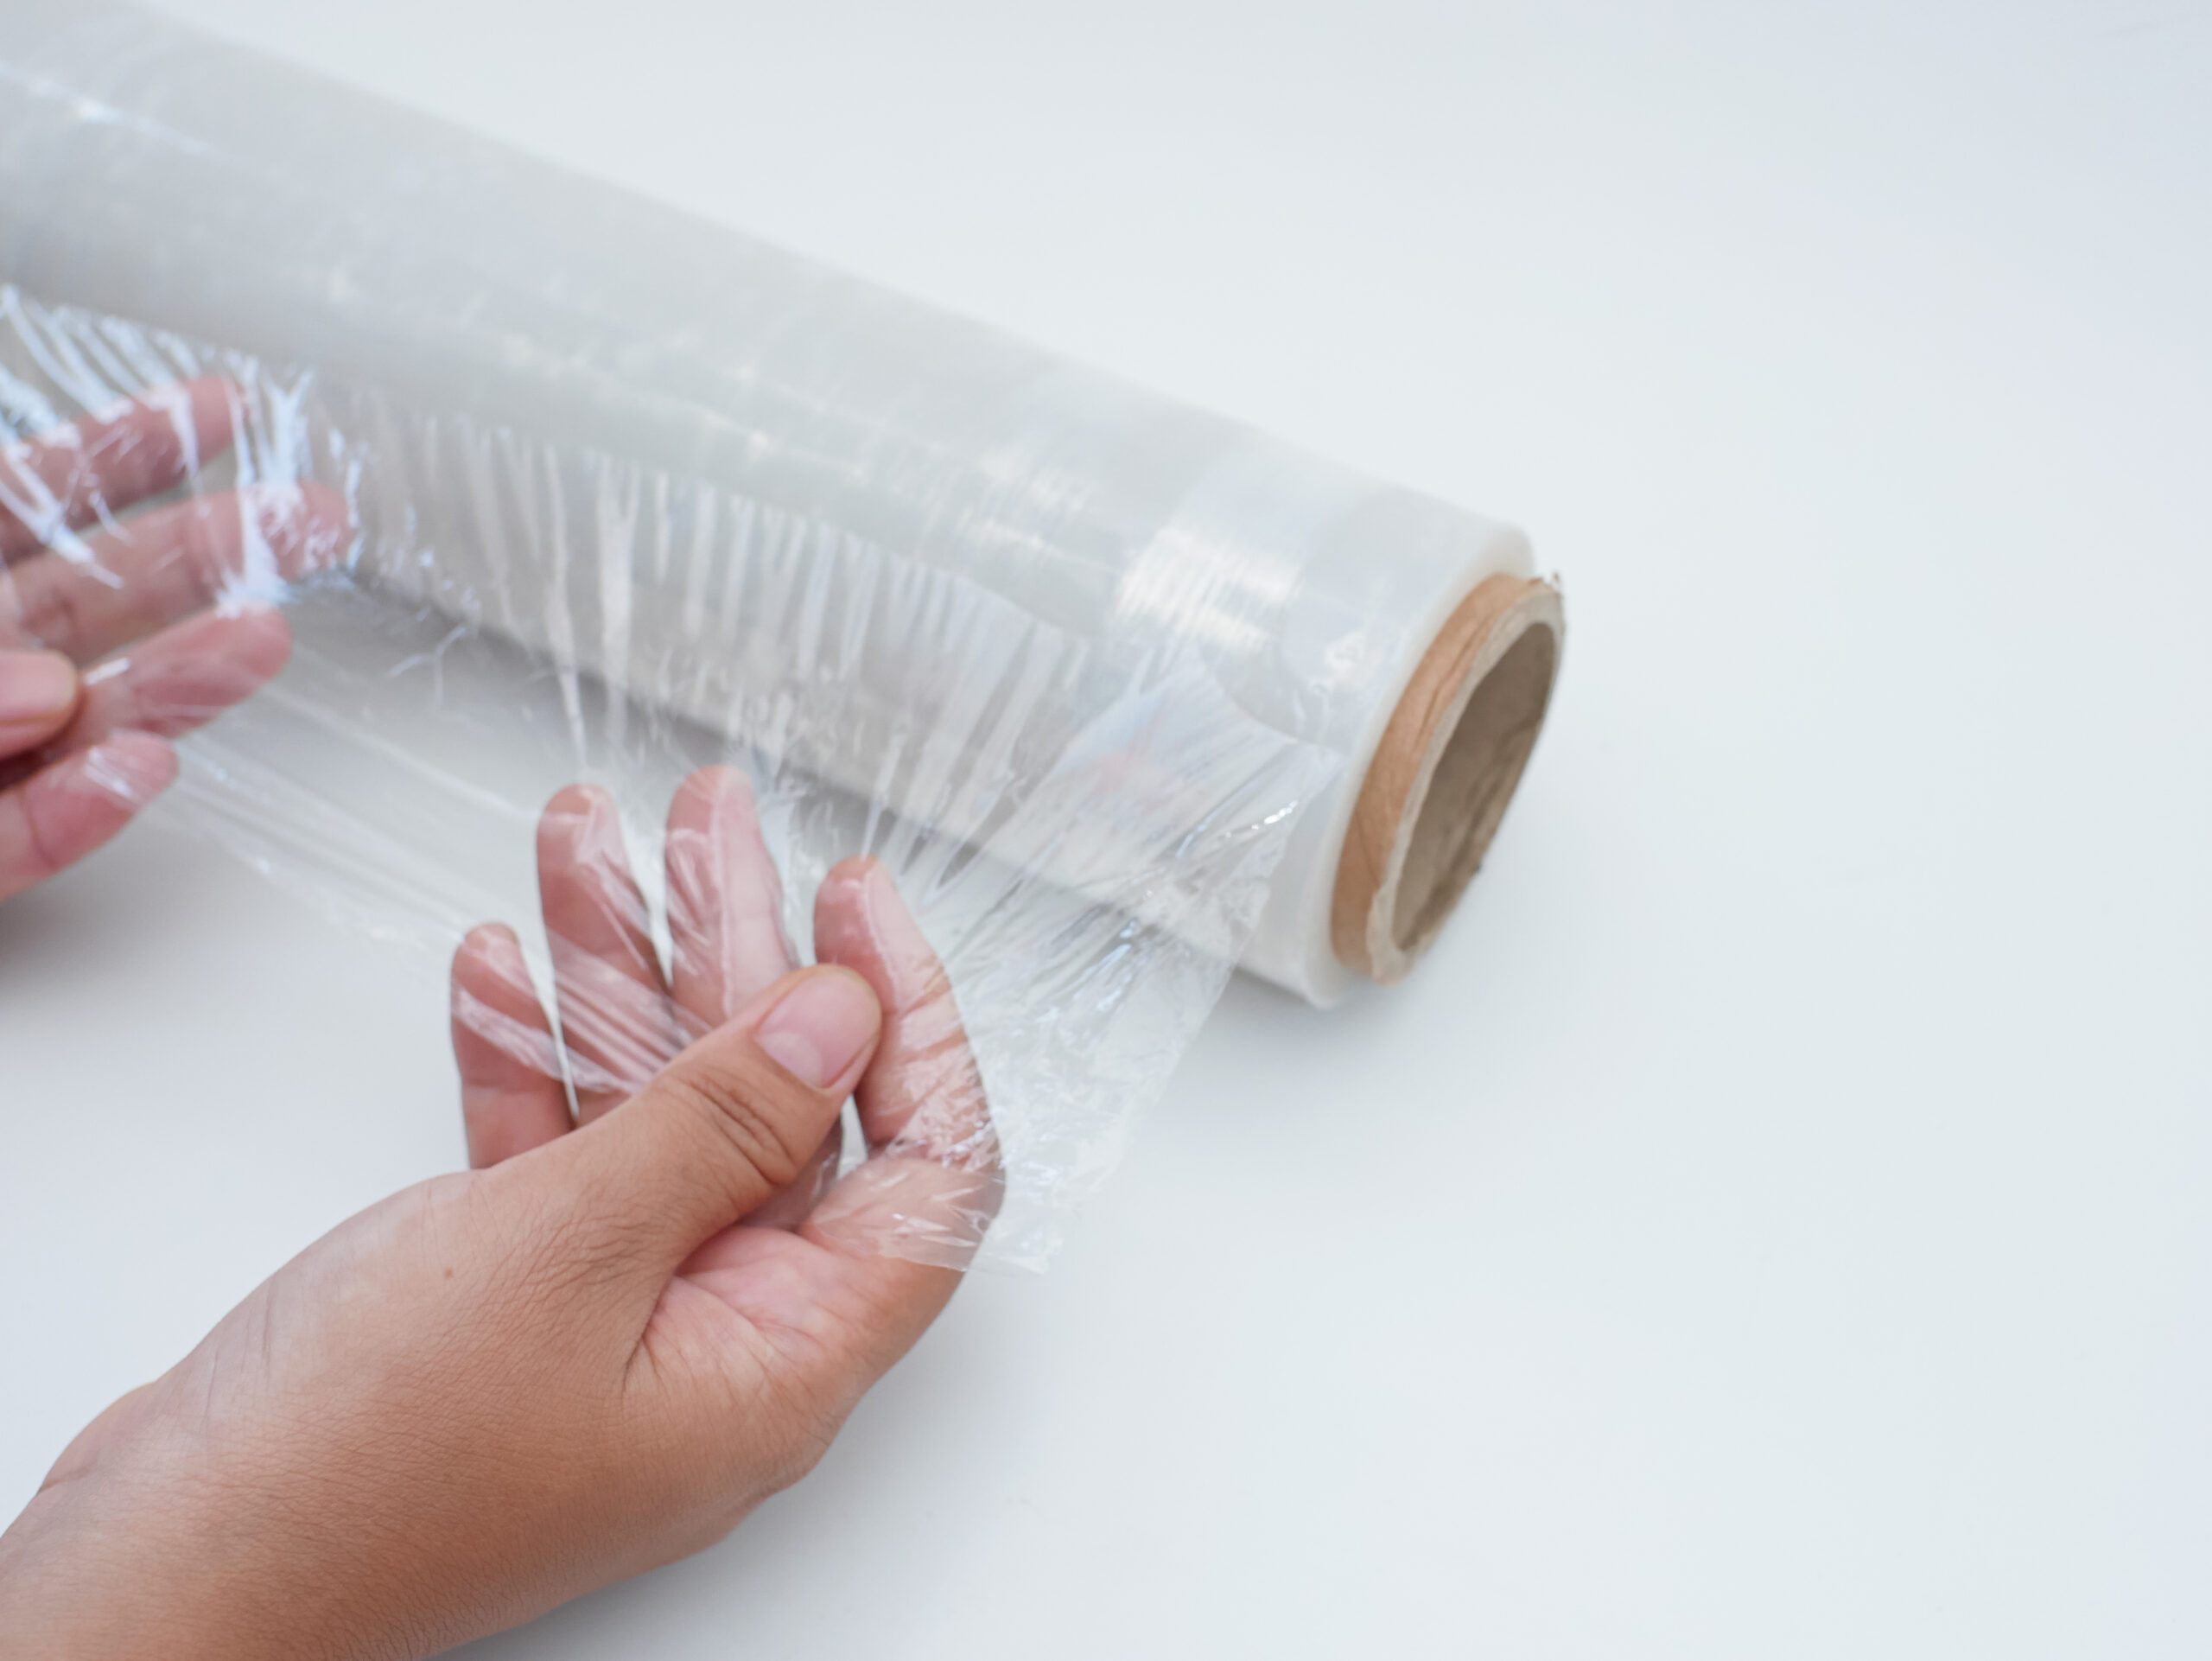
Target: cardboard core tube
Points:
(1441, 777)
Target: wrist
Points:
(83, 1580)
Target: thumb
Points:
(724, 1125)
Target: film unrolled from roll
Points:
(1121, 693)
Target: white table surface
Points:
(1775, 1222)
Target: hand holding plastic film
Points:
(1119, 694)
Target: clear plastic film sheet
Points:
(483, 479)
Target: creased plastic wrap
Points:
(546, 484)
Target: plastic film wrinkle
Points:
(553, 484)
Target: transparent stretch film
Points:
(484, 480)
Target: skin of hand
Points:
(597, 1350)
(118, 635)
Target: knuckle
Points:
(552, 1242)
(742, 1103)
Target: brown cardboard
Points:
(1441, 777)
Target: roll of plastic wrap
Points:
(1120, 691)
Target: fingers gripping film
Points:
(733, 1119)
(932, 1185)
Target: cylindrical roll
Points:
(425, 278)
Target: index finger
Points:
(725, 901)
(107, 462)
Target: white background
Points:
(1775, 1223)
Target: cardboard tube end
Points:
(1441, 777)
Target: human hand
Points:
(592, 1354)
(158, 612)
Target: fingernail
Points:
(820, 1027)
(36, 689)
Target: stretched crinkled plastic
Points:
(547, 484)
